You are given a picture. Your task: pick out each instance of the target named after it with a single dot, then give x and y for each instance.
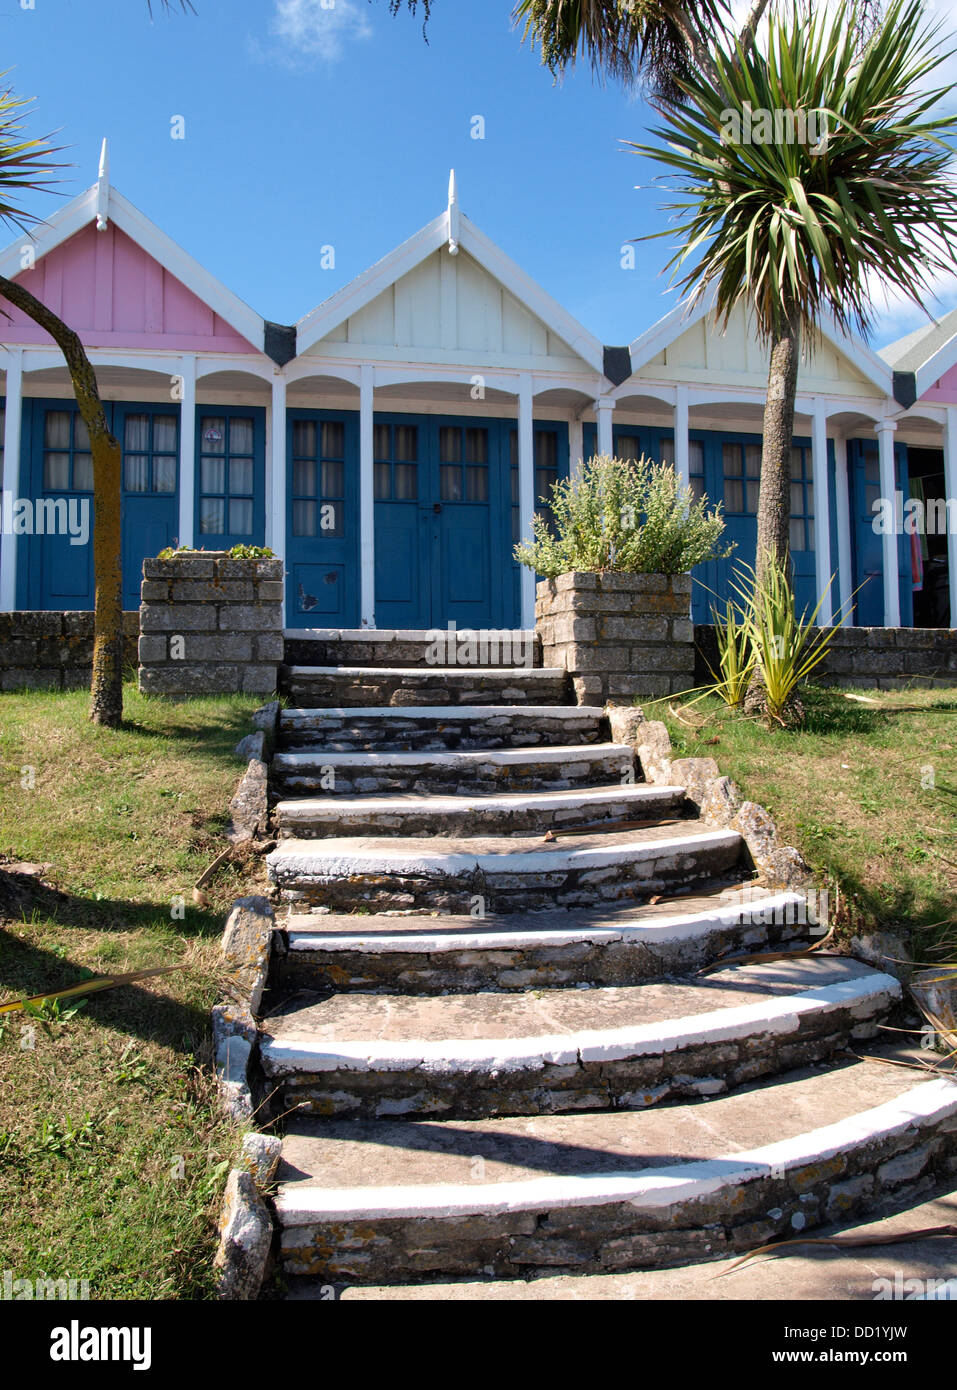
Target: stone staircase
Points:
(487, 1032)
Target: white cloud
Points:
(303, 32)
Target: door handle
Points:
(436, 507)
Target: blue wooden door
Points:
(551, 465)
(53, 570)
(149, 438)
(465, 532)
(868, 558)
(322, 531)
(403, 522)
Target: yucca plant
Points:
(785, 648)
(736, 657)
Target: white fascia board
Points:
(943, 359)
(50, 233)
(179, 263)
(538, 301)
(334, 311)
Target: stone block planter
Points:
(618, 635)
(210, 624)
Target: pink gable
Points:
(944, 390)
(116, 295)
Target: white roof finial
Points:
(103, 188)
(453, 215)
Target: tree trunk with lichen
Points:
(106, 703)
(774, 493)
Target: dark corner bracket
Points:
(617, 364)
(280, 342)
(905, 388)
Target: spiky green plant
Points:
(736, 657)
(791, 231)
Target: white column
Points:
(187, 451)
(843, 510)
(603, 411)
(576, 447)
(682, 447)
(822, 513)
(276, 481)
(950, 488)
(11, 476)
(526, 492)
(892, 602)
(366, 497)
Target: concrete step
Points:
(613, 945)
(496, 648)
(399, 1201)
(463, 770)
(476, 1055)
(500, 874)
(905, 1269)
(502, 813)
(387, 728)
(315, 687)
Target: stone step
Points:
(484, 648)
(455, 772)
(315, 687)
(399, 1201)
(502, 813)
(500, 874)
(618, 1048)
(432, 728)
(612, 945)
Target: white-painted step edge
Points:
(388, 634)
(343, 856)
(570, 714)
(667, 930)
(498, 757)
(505, 673)
(779, 1016)
(303, 808)
(922, 1107)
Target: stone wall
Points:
(886, 658)
(210, 625)
(618, 635)
(54, 650)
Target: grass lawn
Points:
(866, 791)
(113, 1153)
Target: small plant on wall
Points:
(238, 552)
(632, 517)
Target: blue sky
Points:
(308, 126)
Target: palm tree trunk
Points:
(774, 496)
(106, 704)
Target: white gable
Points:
(448, 305)
(703, 355)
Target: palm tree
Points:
(632, 41)
(792, 229)
(26, 166)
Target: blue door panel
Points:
(322, 533)
(867, 544)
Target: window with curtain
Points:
(546, 473)
(741, 465)
(227, 466)
(67, 460)
(802, 499)
(150, 453)
(463, 464)
(396, 450)
(318, 478)
(666, 450)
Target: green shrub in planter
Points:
(631, 517)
